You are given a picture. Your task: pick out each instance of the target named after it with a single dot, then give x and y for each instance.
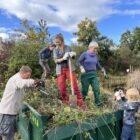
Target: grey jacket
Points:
(59, 54)
(130, 109)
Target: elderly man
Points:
(12, 101)
(88, 63)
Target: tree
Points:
(104, 49)
(136, 39)
(126, 40)
(26, 49)
(24, 54)
(5, 54)
(131, 39)
(87, 32)
(35, 33)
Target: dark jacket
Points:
(45, 53)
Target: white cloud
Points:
(74, 40)
(4, 32)
(4, 36)
(7, 33)
(65, 14)
(61, 13)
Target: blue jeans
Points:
(128, 132)
(7, 126)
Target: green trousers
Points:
(87, 79)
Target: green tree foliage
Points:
(35, 33)
(104, 50)
(5, 54)
(120, 59)
(130, 41)
(26, 50)
(24, 53)
(126, 40)
(136, 39)
(87, 31)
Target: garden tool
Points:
(44, 92)
(40, 85)
(72, 97)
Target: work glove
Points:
(72, 54)
(66, 55)
(121, 93)
(104, 72)
(82, 69)
(117, 96)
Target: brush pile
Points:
(61, 114)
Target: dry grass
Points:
(134, 80)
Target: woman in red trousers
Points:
(61, 54)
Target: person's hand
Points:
(36, 82)
(72, 54)
(82, 69)
(66, 55)
(121, 93)
(59, 60)
(39, 84)
(117, 96)
(104, 72)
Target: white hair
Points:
(93, 44)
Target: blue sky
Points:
(113, 17)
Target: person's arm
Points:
(123, 105)
(81, 59)
(21, 83)
(99, 66)
(80, 62)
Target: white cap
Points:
(93, 44)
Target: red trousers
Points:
(65, 74)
